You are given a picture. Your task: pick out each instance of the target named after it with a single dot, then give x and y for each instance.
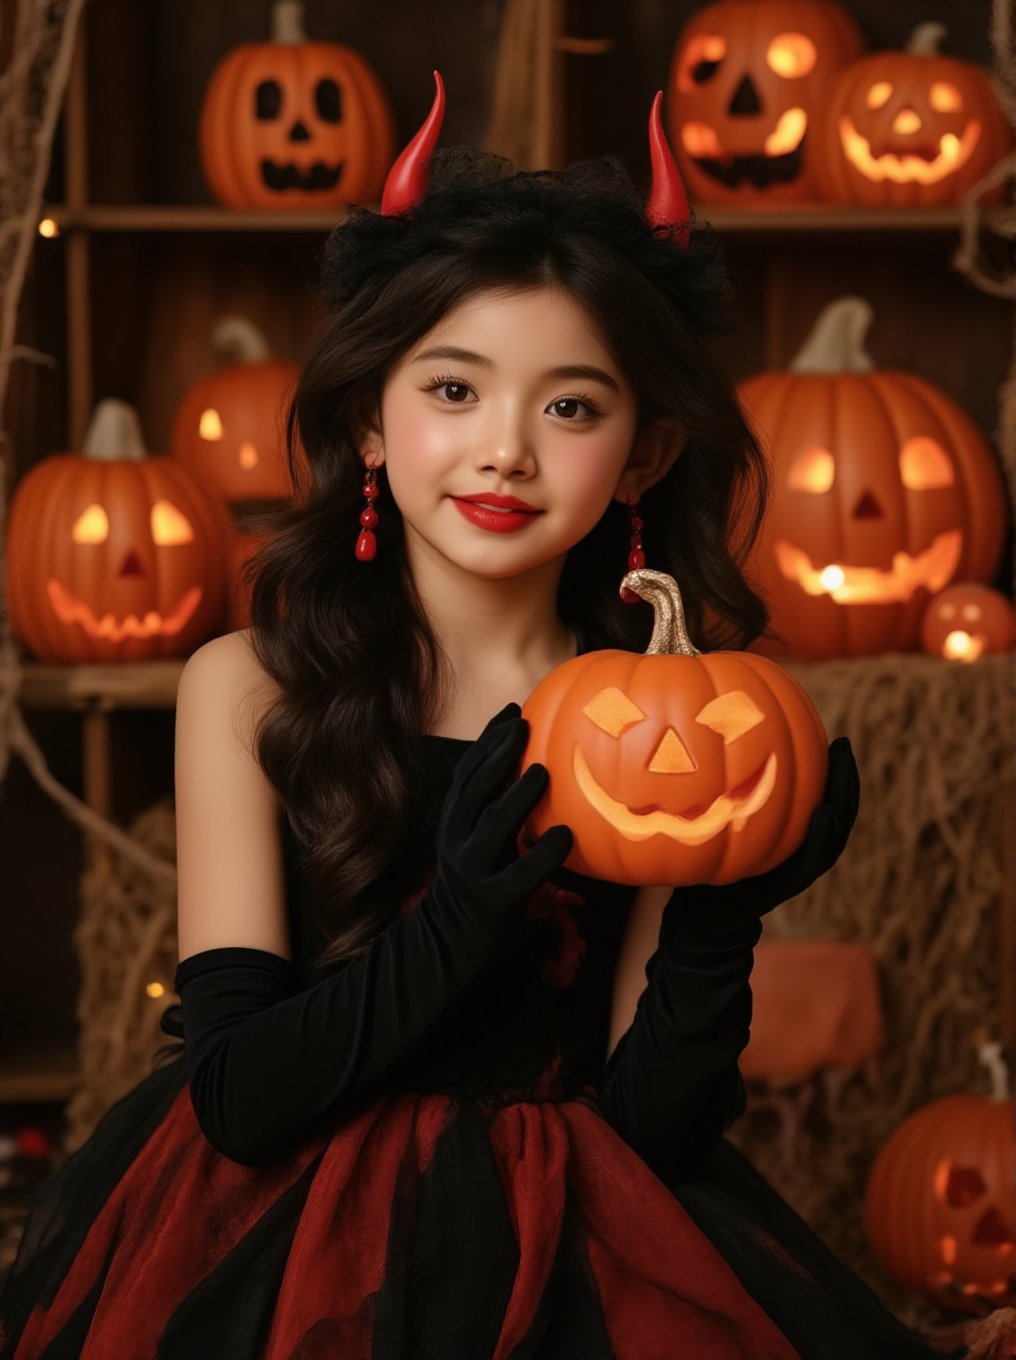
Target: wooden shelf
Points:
(136, 684)
(808, 218)
(39, 1072)
(184, 217)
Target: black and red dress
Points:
(480, 1207)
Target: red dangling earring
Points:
(366, 544)
(636, 557)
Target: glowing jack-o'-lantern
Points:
(967, 622)
(294, 124)
(675, 767)
(746, 79)
(113, 555)
(884, 493)
(230, 427)
(940, 1204)
(910, 128)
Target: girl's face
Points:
(511, 394)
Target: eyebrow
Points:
(466, 356)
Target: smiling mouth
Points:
(922, 165)
(932, 569)
(694, 826)
(71, 610)
(319, 177)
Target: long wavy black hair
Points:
(358, 668)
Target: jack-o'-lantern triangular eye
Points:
(92, 525)
(169, 526)
(612, 711)
(814, 469)
(731, 715)
(925, 465)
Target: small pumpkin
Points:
(968, 621)
(940, 1203)
(675, 767)
(230, 426)
(910, 128)
(293, 124)
(884, 493)
(113, 555)
(746, 81)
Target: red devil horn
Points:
(408, 178)
(668, 202)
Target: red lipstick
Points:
(510, 513)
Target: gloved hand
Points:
(266, 1061)
(715, 908)
(672, 1085)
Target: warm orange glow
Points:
(731, 715)
(701, 140)
(947, 1250)
(791, 55)
(933, 569)
(879, 94)
(925, 465)
(248, 455)
(971, 612)
(907, 122)
(210, 424)
(953, 152)
(961, 646)
(169, 526)
(155, 990)
(48, 228)
(726, 810)
(70, 610)
(672, 756)
(703, 49)
(612, 711)
(944, 97)
(787, 134)
(91, 526)
(814, 469)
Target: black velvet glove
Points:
(672, 1085)
(266, 1061)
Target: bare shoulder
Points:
(229, 853)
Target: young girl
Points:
(427, 1106)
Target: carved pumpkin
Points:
(910, 128)
(230, 427)
(294, 124)
(884, 493)
(675, 767)
(745, 82)
(968, 621)
(112, 555)
(940, 1204)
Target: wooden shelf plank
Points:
(805, 218)
(39, 1072)
(184, 218)
(136, 684)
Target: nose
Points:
(510, 453)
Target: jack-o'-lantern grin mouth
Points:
(933, 569)
(70, 610)
(921, 164)
(696, 824)
(779, 162)
(319, 177)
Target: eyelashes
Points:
(450, 380)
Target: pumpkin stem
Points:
(835, 343)
(114, 432)
(287, 22)
(926, 40)
(670, 631)
(990, 1056)
(238, 339)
